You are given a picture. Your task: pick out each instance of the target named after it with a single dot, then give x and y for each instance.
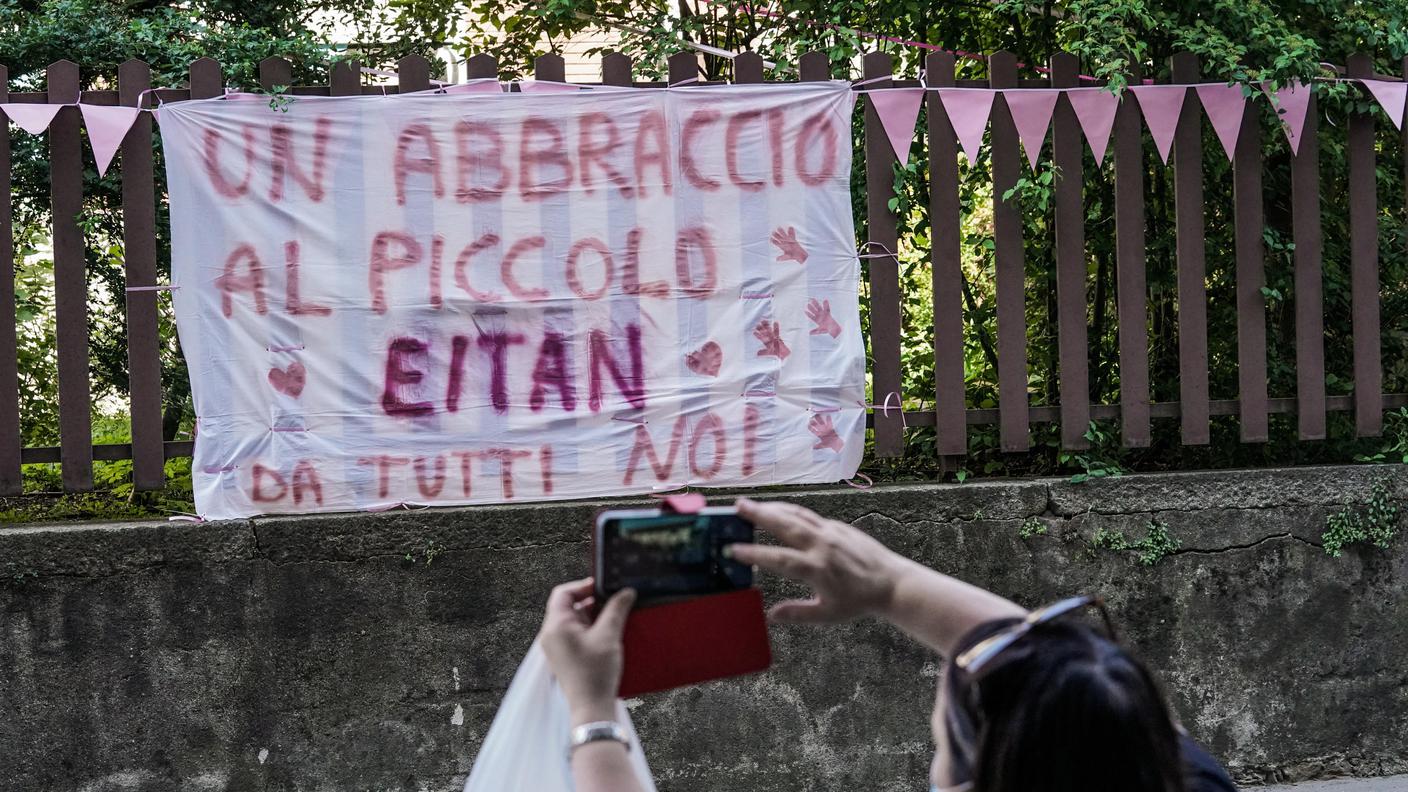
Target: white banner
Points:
(469, 298)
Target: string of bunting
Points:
(968, 110)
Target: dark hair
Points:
(1063, 709)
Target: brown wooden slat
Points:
(70, 281)
(946, 254)
(481, 67)
(1251, 277)
(550, 68)
(345, 79)
(813, 66)
(100, 98)
(1309, 301)
(413, 73)
(11, 478)
(882, 233)
(1131, 290)
(748, 68)
(139, 258)
(1014, 433)
(684, 66)
(615, 69)
(1192, 266)
(1364, 264)
(274, 72)
(1067, 151)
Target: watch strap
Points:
(597, 731)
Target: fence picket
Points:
(1132, 300)
(1364, 264)
(1309, 286)
(550, 68)
(1192, 266)
(139, 260)
(883, 235)
(1068, 156)
(748, 68)
(70, 280)
(1014, 430)
(1249, 225)
(345, 79)
(275, 72)
(947, 264)
(11, 441)
(616, 69)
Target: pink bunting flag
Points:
(968, 112)
(1095, 110)
(1291, 102)
(546, 86)
(1031, 113)
(478, 86)
(107, 126)
(1224, 105)
(32, 118)
(898, 109)
(1392, 97)
(1161, 106)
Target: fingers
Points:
(612, 619)
(811, 611)
(782, 561)
(793, 525)
(566, 595)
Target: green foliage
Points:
(1376, 523)
(1101, 460)
(432, 550)
(1395, 439)
(1156, 544)
(1032, 528)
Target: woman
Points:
(1031, 701)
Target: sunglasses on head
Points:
(981, 653)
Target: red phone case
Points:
(684, 643)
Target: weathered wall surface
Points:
(311, 654)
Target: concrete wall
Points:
(309, 654)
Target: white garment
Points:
(526, 747)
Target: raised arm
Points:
(585, 658)
(853, 575)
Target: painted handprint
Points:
(825, 431)
(820, 313)
(786, 241)
(770, 333)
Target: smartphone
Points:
(664, 554)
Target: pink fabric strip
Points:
(151, 288)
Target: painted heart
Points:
(289, 380)
(707, 360)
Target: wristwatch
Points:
(596, 732)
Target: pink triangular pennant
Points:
(898, 109)
(32, 118)
(1291, 103)
(107, 126)
(1095, 110)
(1224, 105)
(488, 86)
(1161, 105)
(546, 86)
(968, 111)
(1031, 113)
(1392, 96)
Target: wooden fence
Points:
(950, 415)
